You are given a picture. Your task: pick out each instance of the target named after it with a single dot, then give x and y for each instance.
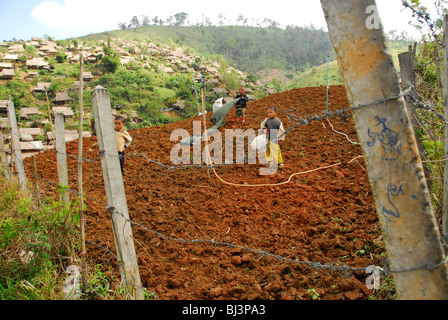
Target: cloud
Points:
(94, 16)
(89, 16)
(102, 15)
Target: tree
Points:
(422, 17)
(61, 57)
(180, 18)
(145, 20)
(122, 26)
(134, 22)
(221, 18)
(110, 63)
(110, 59)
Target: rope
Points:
(274, 184)
(341, 133)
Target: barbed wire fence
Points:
(295, 122)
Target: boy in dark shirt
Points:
(275, 133)
(241, 104)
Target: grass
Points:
(317, 76)
(39, 245)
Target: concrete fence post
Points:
(15, 143)
(61, 157)
(403, 204)
(116, 197)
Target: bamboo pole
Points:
(417, 259)
(445, 138)
(80, 178)
(207, 155)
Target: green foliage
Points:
(246, 48)
(317, 76)
(231, 80)
(61, 57)
(45, 234)
(110, 63)
(98, 285)
(19, 92)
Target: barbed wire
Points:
(315, 265)
(341, 269)
(295, 122)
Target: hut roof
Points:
(62, 96)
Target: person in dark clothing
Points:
(241, 105)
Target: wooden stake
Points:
(36, 185)
(80, 184)
(408, 80)
(439, 73)
(49, 115)
(207, 160)
(4, 159)
(417, 259)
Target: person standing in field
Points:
(241, 105)
(123, 138)
(274, 130)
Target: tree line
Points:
(181, 19)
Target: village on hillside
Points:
(32, 61)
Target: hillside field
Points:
(325, 216)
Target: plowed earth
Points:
(325, 216)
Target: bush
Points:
(110, 64)
(47, 237)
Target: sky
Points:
(62, 19)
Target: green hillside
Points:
(317, 76)
(249, 49)
(148, 70)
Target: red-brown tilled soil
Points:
(325, 216)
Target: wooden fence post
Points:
(417, 259)
(15, 138)
(36, 185)
(440, 80)
(116, 197)
(4, 159)
(61, 156)
(408, 80)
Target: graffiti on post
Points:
(387, 138)
(392, 191)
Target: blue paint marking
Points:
(392, 191)
(388, 140)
